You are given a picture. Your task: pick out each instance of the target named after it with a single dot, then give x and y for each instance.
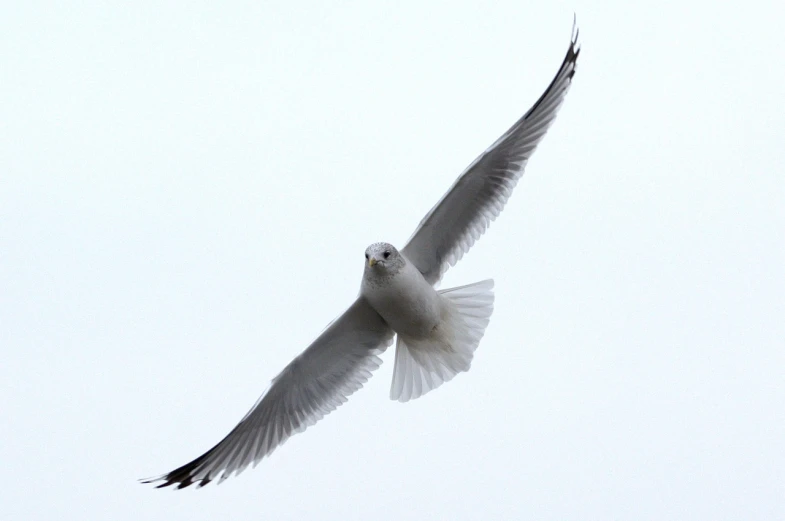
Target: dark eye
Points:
(366, 256)
(387, 255)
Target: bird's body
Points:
(437, 331)
(404, 299)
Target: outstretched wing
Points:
(478, 196)
(320, 379)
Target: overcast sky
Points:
(187, 190)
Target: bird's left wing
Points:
(320, 379)
(479, 194)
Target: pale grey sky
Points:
(187, 189)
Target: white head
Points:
(383, 259)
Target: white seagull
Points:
(438, 331)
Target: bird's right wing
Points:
(478, 196)
(320, 379)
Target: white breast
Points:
(406, 301)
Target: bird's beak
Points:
(372, 261)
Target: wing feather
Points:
(320, 379)
(463, 214)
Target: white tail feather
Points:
(422, 365)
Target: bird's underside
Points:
(435, 342)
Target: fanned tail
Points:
(422, 365)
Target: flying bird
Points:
(437, 331)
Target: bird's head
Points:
(383, 258)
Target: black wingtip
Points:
(150, 481)
(575, 48)
(574, 36)
(182, 476)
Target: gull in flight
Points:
(437, 331)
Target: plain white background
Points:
(187, 189)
